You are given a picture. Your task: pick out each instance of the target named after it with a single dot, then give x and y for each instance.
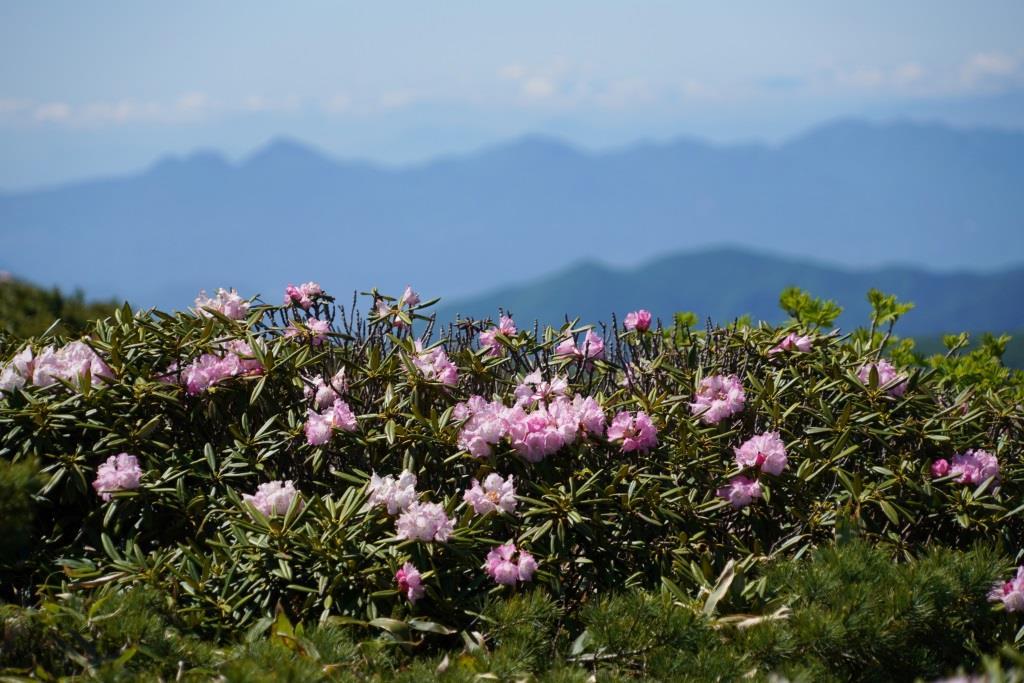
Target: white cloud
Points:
(339, 104)
(988, 67)
(53, 112)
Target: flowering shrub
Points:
(440, 465)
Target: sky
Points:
(101, 88)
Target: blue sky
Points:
(97, 88)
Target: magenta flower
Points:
(273, 498)
(974, 466)
(638, 320)
(120, 472)
(1010, 593)
(764, 451)
(717, 398)
(886, 375)
(637, 433)
(424, 522)
(940, 468)
(321, 426)
(409, 582)
(793, 342)
(489, 338)
(227, 303)
(395, 494)
(434, 365)
(740, 491)
(495, 494)
(302, 295)
(505, 568)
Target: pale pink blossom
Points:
(534, 389)
(120, 472)
(434, 364)
(765, 451)
(1010, 593)
(321, 426)
(793, 342)
(395, 494)
(591, 349)
(227, 302)
(740, 491)
(409, 298)
(635, 431)
(484, 426)
(887, 375)
(489, 338)
(542, 432)
(974, 466)
(717, 398)
(495, 494)
(589, 415)
(18, 371)
(324, 393)
(314, 330)
(302, 295)
(273, 498)
(505, 568)
(409, 582)
(940, 467)
(71, 363)
(638, 320)
(424, 522)
(236, 359)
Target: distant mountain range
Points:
(726, 283)
(849, 192)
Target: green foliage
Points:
(808, 310)
(27, 310)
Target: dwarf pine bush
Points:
(322, 464)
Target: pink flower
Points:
(409, 298)
(542, 432)
(974, 466)
(638, 320)
(120, 472)
(238, 359)
(637, 433)
(495, 494)
(489, 339)
(764, 451)
(227, 303)
(589, 415)
(503, 566)
(534, 389)
(320, 426)
(886, 375)
(434, 365)
(410, 582)
(740, 491)
(322, 393)
(592, 348)
(940, 467)
(394, 494)
(71, 363)
(484, 427)
(302, 295)
(792, 342)
(717, 398)
(314, 329)
(1010, 593)
(17, 372)
(424, 522)
(273, 498)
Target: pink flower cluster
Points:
(303, 295)
(592, 349)
(410, 582)
(273, 498)
(424, 522)
(324, 393)
(534, 389)
(793, 342)
(314, 329)
(321, 426)
(395, 494)
(227, 302)
(717, 398)
(237, 359)
(489, 338)
(887, 375)
(505, 568)
(435, 365)
(765, 451)
(408, 300)
(970, 467)
(635, 431)
(120, 472)
(1010, 593)
(70, 363)
(496, 494)
(534, 434)
(638, 320)
(740, 491)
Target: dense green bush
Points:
(27, 310)
(599, 518)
